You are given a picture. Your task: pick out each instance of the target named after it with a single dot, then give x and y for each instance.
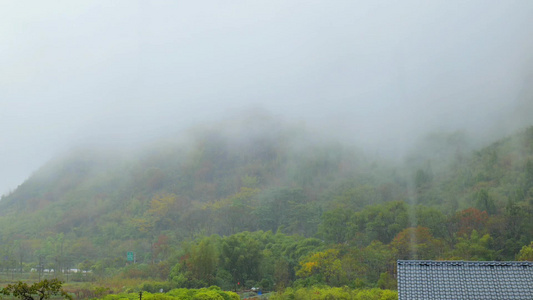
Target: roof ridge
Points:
(463, 262)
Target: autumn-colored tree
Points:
(325, 264)
(161, 247)
(416, 243)
(156, 216)
(463, 222)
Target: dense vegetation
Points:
(211, 293)
(327, 293)
(272, 208)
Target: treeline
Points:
(360, 252)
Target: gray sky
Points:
(378, 73)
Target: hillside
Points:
(91, 206)
(204, 168)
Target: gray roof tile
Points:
(427, 279)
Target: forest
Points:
(268, 206)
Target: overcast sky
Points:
(380, 73)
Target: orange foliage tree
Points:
(416, 243)
(465, 221)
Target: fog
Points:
(379, 74)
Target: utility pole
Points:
(40, 267)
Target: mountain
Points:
(94, 205)
(268, 167)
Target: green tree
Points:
(333, 228)
(528, 184)
(423, 179)
(376, 259)
(484, 202)
(431, 218)
(474, 247)
(379, 222)
(276, 208)
(43, 290)
(233, 214)
(526, 253)
(204, 261)
(241, 256)
(54, 253)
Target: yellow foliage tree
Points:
(326, 264)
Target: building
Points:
(427, 279)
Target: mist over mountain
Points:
(378, 76)
(279, 193)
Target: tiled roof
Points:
(427, 279)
